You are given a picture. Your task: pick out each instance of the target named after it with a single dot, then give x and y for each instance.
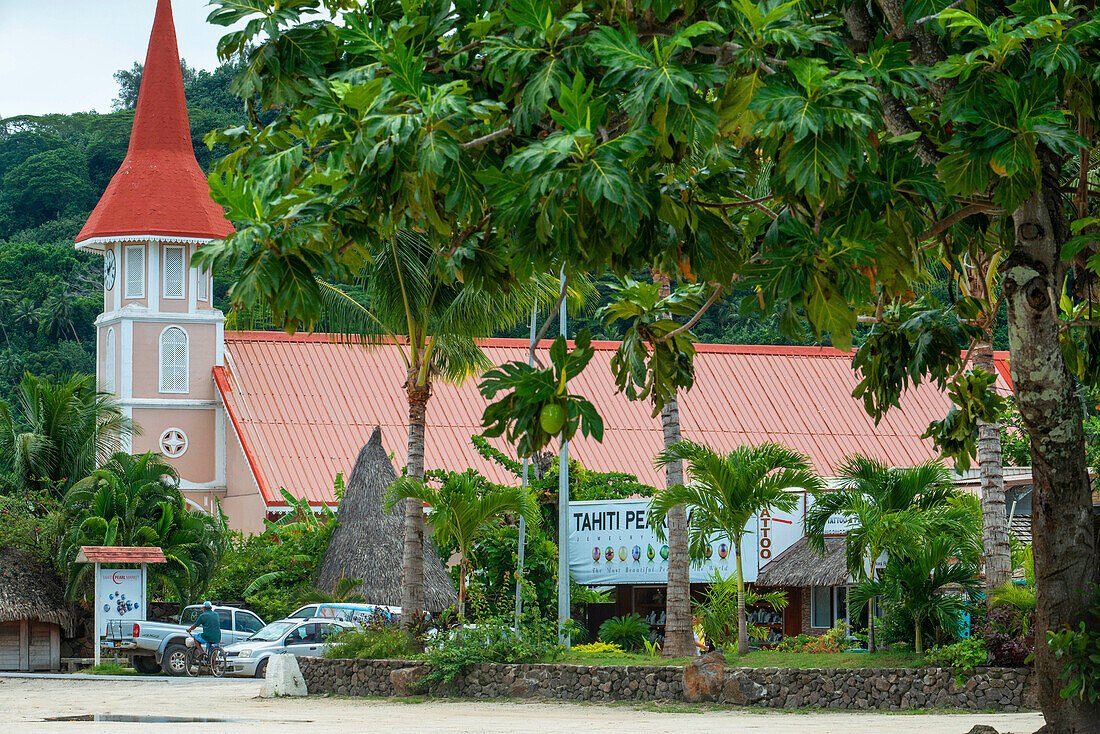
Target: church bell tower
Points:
(159, 336)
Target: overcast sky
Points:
(59, 55)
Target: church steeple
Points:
(159, 190)
(160, 336)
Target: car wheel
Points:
(146, 664)
(261, 669)
(174, 661)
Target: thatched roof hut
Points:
(801, 565)
(367, 542)
(31, 590)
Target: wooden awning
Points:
(119, 554)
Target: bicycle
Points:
(214, 658)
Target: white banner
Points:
(610, 542)
(120, 594)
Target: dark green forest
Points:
(54, 168)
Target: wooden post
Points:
(98, 616)
(25, 645)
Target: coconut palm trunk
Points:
(998, 564)
(412, 573)
(678, 637)
(679, 641)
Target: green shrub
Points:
(966, 654)
(598, 647)
(29, 520)
(388, 643)
(1079, 652)
(628, 632)
(833, 641)
(491, 642)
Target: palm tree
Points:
(135, 501)
(7, 302)
(464, 507)
(726, 491)
(26, 313)
(62, 431)
(880, 504)
(921, 579)
(977, 278)
(436, 320)
(57, 312)
(679, 641)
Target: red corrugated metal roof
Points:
(304, 405)
(119, 554)
(159, 189)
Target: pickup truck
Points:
(161, 646)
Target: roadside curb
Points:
(174, 680)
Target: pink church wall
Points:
(101, 346)
(201, 339)
(242, 504)
(197, 463)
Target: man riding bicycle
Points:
(211, 627)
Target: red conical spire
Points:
(159, 189)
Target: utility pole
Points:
(526, 467)
(563, 514)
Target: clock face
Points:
(109, 270)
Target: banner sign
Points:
(611, 542)
(120, 594)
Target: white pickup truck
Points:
(161, 646)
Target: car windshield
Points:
(273, 631)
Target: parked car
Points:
(161, 646)
(300, 637)
(345, 611)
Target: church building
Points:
(245, 415)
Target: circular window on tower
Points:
(173, 443)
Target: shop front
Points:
(611, 544)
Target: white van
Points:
(346, 612)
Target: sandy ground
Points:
(26, 702)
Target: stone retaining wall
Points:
(708, 679)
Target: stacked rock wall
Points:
(708, 679)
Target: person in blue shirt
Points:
(211, 627)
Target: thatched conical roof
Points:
(368, 543)
(801, 565)
(31, 589)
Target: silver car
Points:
(300, 637)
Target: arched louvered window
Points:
(107, 378)
(173, 360)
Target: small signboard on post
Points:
(119, 592)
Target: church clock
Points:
(109, 270)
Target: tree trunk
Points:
(998, 560)
(412, 569)
(742, 622)
(918, 644)
(462, 589)
(679, 641)
(871, 605)
(1064, 544)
